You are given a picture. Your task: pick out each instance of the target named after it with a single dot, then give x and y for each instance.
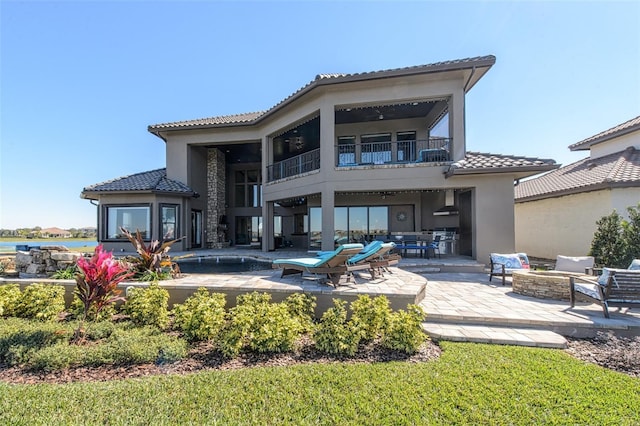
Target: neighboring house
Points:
(348, 157)
(52, 233)
(556, 213)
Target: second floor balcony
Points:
(396, 152)
(363, 154)
(294, 166)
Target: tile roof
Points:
(322, 79)
(478, 162)
(619, 169)
(211, 121)
(619, 130)
(151, 181)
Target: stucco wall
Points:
(618, 144)
(565, 225)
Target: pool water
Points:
(214, 265)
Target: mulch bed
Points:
(607, 350)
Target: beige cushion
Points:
(574, 264)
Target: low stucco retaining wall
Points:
(401, 288)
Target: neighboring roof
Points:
(326, 79)
(481, 163)
(619, 130)
(154, 181)
(53, 230)
(621, 169)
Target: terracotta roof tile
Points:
(478, 162)
(249, 118)
(153, 181)
(618, 169)
(620, 129)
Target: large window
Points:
(248, 230)
(168, 221)
(315, 227)
(131, 218)
(351, 224)
(248, 188)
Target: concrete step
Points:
(498, 335)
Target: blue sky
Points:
(81, 81)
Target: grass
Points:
(468, 384)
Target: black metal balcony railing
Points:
(399, 152)
(293, 166)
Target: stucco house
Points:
(347, 157)
(51, 233)
(556, 213)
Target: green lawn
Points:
(469, 384)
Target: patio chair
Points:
(333, 264)
(367, 248)
(384, 259)
(434, 246)
(375, 260)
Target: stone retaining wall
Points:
(44, 261)
(542, 284)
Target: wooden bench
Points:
(615, 288)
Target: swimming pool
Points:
(222, 265)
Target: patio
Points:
(460, 302)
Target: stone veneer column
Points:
(216, 200)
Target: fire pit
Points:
(543, 284)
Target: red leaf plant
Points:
(97, 281)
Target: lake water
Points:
(213, 265)
(11, 246)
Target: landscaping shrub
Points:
(9, 297)
(370, 316)
(43, 302)
(631, 235)
(21, 338)
(404, 331)
(302, 307)
(68, 273)
(616, 241)
(607, 245)
(334, 334)
(77, 310)
(45, 346)
(148, 306)
(201, 316)
(122, 346)
(97, 281)
(153, 261)
(259, 325)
